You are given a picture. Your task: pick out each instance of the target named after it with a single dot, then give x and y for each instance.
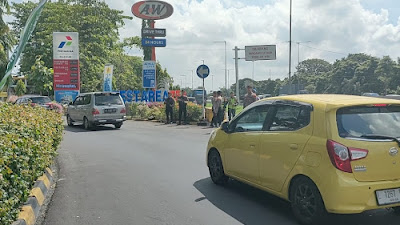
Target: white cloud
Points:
(335, 25)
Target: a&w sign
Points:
(152, 10)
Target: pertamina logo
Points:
(152, 10)
(66, 43)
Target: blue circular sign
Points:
(203, 71)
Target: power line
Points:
(323, 50)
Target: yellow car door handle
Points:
(252, 145)
(294, 146)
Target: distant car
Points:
(42, 101)
(397, 97)
(192, 99)
(264, 96)
(322, 153)
(97, 108)
(370, 94)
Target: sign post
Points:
(203, 71)
(66, 66)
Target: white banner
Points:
(65, 45)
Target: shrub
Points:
(143, 111)
(29, 138)
(133, 109)
(194, 112)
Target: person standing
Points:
(169, 108)
(183, 100)
(220, 114)
(214, 109)
(250, 97)
(232, 103)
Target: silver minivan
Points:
(97, 108)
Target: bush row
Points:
(156, 111)
(29, 138)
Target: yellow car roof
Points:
(331, 101)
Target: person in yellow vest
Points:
(232, 103)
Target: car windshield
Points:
(40, 100)
(363, 121)
(108, 99)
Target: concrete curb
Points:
(31, 209)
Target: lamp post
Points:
(192, 79)
(226, 72)
(182, 80)
(298, 62)
(290, 50)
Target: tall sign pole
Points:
(203, 72)
(66, 66)
(237, 72)
(150, 11)
(290, 50)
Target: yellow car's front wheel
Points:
(216, 168)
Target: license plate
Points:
(387, 197)
(110, 110)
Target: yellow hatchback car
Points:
(323, 153)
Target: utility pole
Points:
(226, 76)
(253, 72)
(298, 62)
(290, 50)
(237, 72)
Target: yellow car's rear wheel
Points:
(307, 204)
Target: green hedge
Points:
(29, 138)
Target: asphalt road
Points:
(147, 173)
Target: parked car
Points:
(264, 96)
(192, 99)
(322, 153)
(42, 101)
(98, 108)
(370, 94)
(391, 97)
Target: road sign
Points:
(203, 71)
(149, 74)
(146, 42)
(260, 52)
(149, 32)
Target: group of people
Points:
(169, 108)
(219, 105)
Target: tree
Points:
(6, 38)
(41, 77)
(20, 89)
(96, 23)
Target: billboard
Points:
(260, 52)
(66, 78)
